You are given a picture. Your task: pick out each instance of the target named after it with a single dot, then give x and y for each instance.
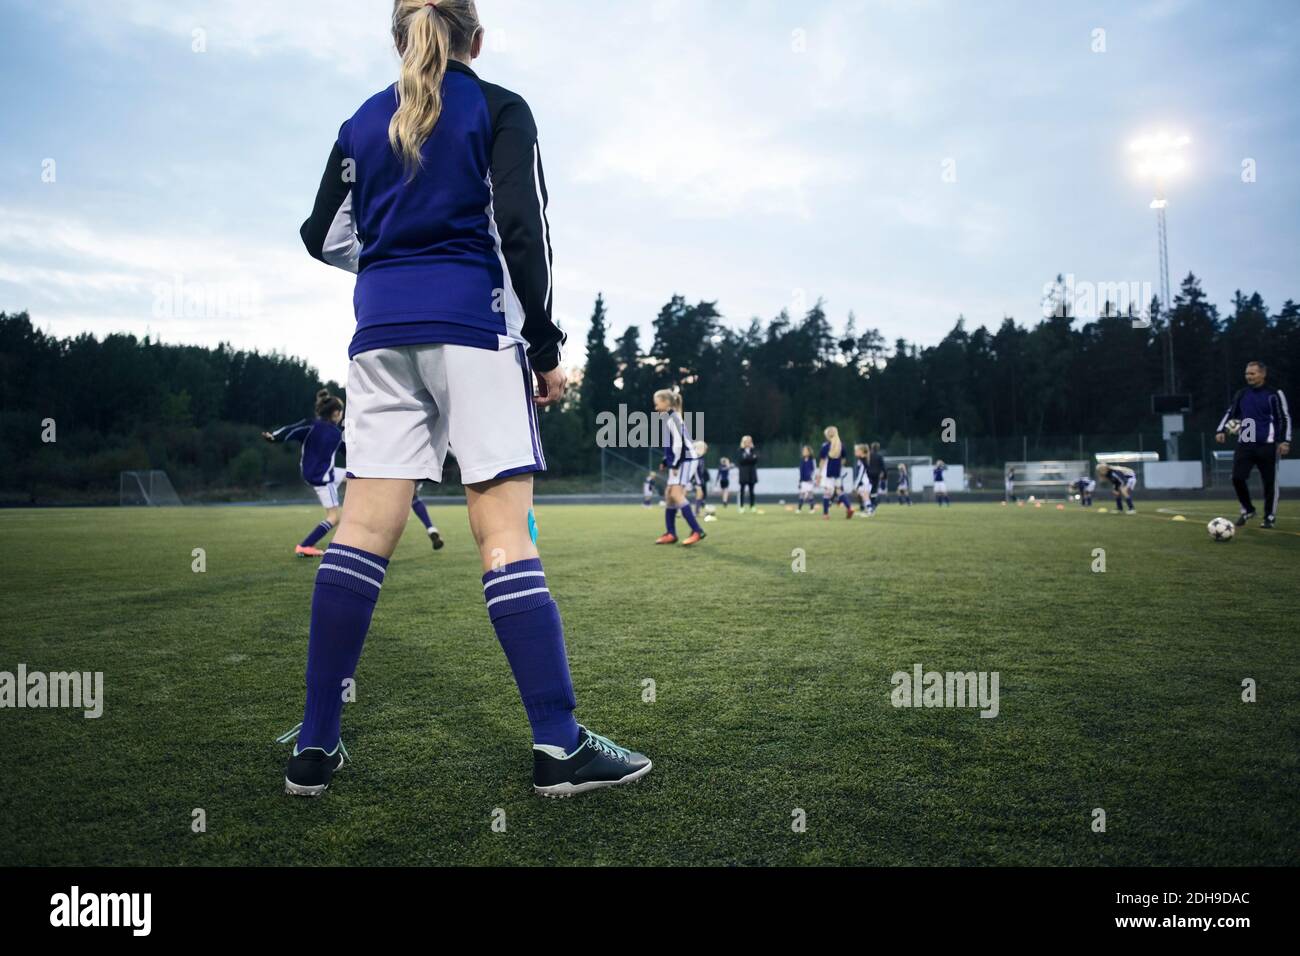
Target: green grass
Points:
(1119, 690)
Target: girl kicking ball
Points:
(680, 463)
(441, 175)
(320, 439)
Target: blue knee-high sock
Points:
(826, 506)
(317, 533)
(670, 519)
(689, 515)
(528, 626)
(844, 500)
(422, 513)
(347, 587)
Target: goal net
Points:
(150, 488)
(1042, 478)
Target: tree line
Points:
(121, 403)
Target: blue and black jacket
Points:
(461, 253)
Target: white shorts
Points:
(328, 494)
(407, 405)
(805, 487)
(831, 486)
(940, 487)
(1129, 484)
(685, 475)
(902, 488)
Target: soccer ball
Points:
(1232, 427)
(1221, 529)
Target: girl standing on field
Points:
(724, 479)
(681, 463)
(807, 474)
(830, 466)
(904, 485)
(321, 438)
(434, 196)
(747, 467)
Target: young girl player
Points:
(680, 463)
(436, 183)
(321, 438)
(830, 466)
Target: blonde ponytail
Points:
(833, 436)
(428, 35)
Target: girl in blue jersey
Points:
(940, 486)
(807, 473)
(724, 479)
(1122, 481)
(321, 438)
(434, 197)
(830, 468)
(904, 485)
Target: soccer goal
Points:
(149, 488)
(1043, 478)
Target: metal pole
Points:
(1162, 237)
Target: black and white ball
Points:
(1221, 529)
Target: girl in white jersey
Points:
(680, 462)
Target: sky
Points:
(907, 161)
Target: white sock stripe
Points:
(355, 574)
(511, 577)
(356, 557)
(517, 594)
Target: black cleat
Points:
(309, 772)
(437, 540)
(1268, 523)
(598, 762)
(1243, 518)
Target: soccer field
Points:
(771, 688)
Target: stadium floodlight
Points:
(1162, 156)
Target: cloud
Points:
(75, 275)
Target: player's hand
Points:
(268, 436)
(550, 386)
(1284, 448)
(1220, 438)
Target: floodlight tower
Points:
(1160, 158)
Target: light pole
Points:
(1159, 158)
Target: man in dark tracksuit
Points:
(1261, 420)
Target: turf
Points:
(1118, 690)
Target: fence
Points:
(984, 459)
